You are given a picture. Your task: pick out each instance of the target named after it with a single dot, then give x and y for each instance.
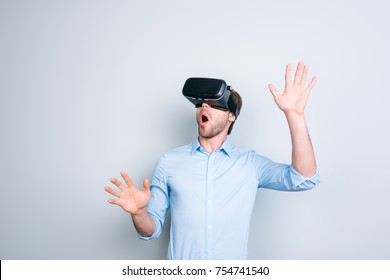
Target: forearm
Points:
(144, 223)
(303, 158)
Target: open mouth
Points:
(203, 119)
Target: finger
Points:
(304, 75)
(273, 90)
(288, 74)
(298, 73)
(146, 185)
(311, 84)
(118, 184)
(111, 191)
(127, 179)
(113, 201)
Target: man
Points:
(210, 185)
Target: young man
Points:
(210, 185)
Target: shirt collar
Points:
(226, 147)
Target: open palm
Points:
(130, 198)
(295, 95)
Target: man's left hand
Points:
(295, 95)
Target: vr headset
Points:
(200, 90)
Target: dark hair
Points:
(238, 101)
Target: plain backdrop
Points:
(90, 88)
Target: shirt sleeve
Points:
(159, 199)
(282, 177)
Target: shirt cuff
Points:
(155, 234)
(302, 182)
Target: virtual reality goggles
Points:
(200, 90)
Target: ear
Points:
(232, 117)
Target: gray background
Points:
(90, 88)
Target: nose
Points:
(205, 105)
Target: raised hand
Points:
(130, 198)
(295, 95)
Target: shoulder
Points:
(236, 151)
(173, 158)
(178, 152)
(247, 155)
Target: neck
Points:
(212, 144)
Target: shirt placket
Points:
(209, 205)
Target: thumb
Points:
(273, 91)
(146, 185)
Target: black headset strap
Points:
(232, 106)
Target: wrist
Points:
(292, 114)
(139, 213)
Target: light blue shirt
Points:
(211, 198)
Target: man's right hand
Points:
(131, 199)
